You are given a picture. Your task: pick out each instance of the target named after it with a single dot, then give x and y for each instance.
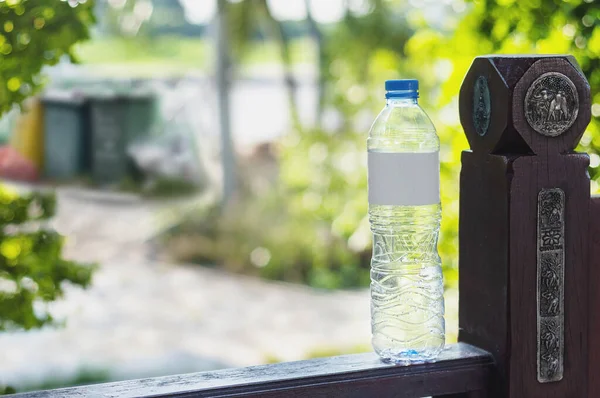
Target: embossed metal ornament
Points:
(551, 104)
(481, 106)
(550, 285)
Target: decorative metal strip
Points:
(481, 105)
(550, 285)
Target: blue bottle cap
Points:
(402, 88)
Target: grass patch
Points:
(165, 51)
(5, 390)
(302, 51)
(165, 55)
(159, 188)
(83, 377)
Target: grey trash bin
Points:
(141, 114)
(65, 135)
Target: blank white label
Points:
(404, 179)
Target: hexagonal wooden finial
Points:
(524, 104)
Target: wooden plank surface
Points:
(461, 368)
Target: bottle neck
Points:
(401, 101)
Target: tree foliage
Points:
(34, 33)
(31, 267)
(32, 270)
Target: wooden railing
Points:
(462, 368)
(529, 263)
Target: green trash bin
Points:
(108, 138)
(66, 128)
(141, 110)
(118, 119)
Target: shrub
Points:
(301, 229)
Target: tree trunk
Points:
(317, 35)
(223, 69)
(283, 43)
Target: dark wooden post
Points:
(524, 219)
(594, 309)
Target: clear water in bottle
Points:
(407, 303)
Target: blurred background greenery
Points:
(320, 235)
(297, 207)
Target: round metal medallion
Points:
(481, 106)
(551, 104)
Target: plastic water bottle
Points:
(407, 303)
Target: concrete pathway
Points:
(143, 318)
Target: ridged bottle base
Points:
(408, 356)
(407, 304)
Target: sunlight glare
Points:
(327, 11)
(288, 10)
(199, 12)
